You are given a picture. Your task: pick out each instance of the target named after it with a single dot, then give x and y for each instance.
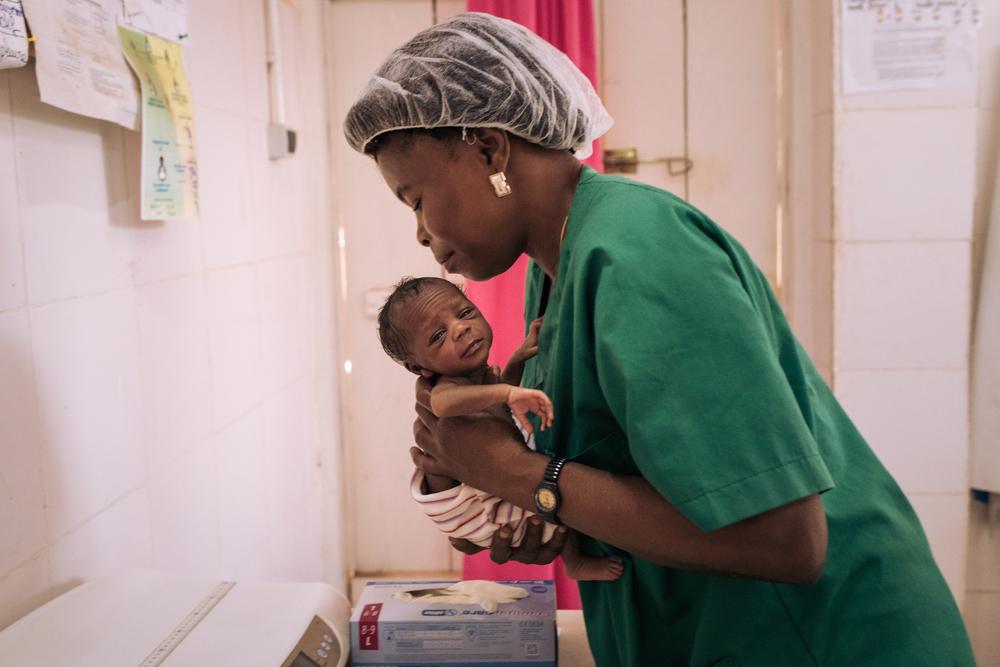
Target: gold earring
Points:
(500, 185)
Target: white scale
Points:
(142, 618)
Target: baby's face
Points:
(447, 333)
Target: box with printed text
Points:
(423, 623)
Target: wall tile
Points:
(246, 508)
(234, 335)
(77, 237)
(12, 293)
(984, 548)
(982, 616)
(906, 175)
(22, 496)
(175, 367)
(24, 590)
(282, 222)
(228, 225)
(214, 56)
(86, 364)
(256, 102)
(117, 538)
(291, 447)
(293, 551)
(287, 322)
(901, 305)
(917, 423)
(988, 41)
(184, 513)
(945, 521)
(161, 248)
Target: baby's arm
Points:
(449, 399)
(529, 348)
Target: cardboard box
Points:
(404, 623)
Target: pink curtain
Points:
(568, 25)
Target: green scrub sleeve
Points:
(692, 376)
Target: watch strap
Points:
(554, 469)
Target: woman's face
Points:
(464, 224)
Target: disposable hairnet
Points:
(477, 70)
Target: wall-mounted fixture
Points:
(626, 161)
(281, 139)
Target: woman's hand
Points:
(475, 449)
(531, 551)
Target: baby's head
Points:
(431, 328)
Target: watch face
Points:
(546, 499)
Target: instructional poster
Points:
(80, 66)
(169, 173)
(13, 35)
(908, 44)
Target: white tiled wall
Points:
(903, 179)
(982, 607)
(167, 391)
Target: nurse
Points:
(694, 440)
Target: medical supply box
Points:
(416, 623)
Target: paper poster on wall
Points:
(892, 45)
(13, 35)
(163, 18)
(169, 173)
(79, 64)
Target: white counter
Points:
(574, 650)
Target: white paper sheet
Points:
(163, 18)
(80, 65)
(13, 35)
(908, 44)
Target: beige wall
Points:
(166, 389)
(982, 601)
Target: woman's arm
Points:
(786, 544)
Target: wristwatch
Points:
(547, 498)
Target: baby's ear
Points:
(414, 368)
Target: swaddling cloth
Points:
(471, 514)
(487, 594)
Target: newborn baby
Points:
(430, 327)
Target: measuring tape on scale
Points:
(187, 625)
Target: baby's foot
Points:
(594, 568)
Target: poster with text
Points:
(169, 161)
(892, 45)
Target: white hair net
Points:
(477, 70)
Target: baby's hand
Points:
(522, 401)
(529, 347)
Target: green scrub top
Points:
(666, 354)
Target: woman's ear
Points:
(494, 148)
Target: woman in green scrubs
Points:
(703, 448)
